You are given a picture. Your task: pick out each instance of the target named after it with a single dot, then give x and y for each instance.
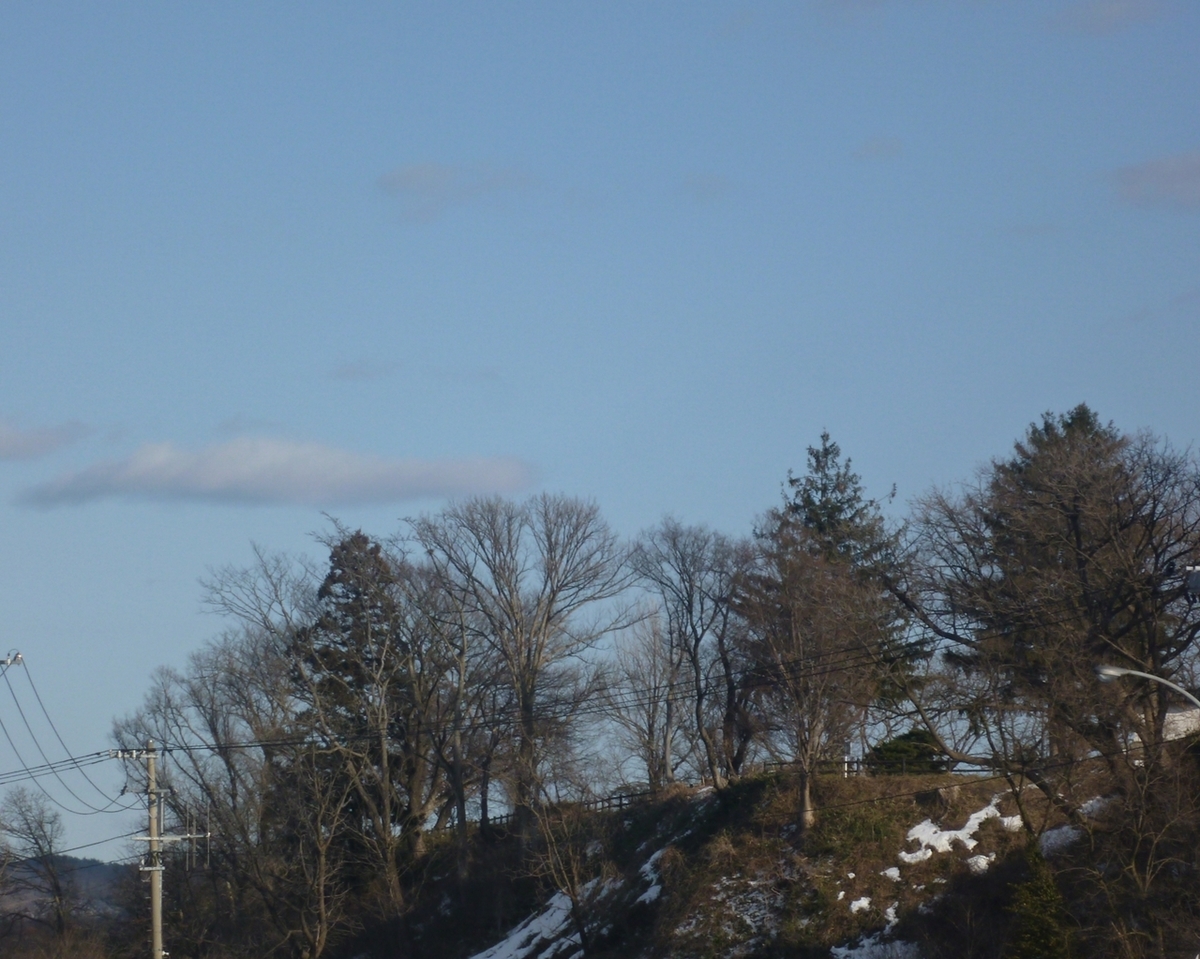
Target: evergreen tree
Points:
(830, 502)
(1040, 928)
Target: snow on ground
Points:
(1093, 807)
(535, 932)
(742, 906)
(1058, 838)
(874, 947)
(650, 894)
(979, 864)
(649, 872)
(649, 869)
(739, 905)
(935, 839)
(545, 934)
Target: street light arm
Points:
(1112, 672)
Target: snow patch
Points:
(649, 872)
(536, 931)
(1058, 838)
(650, 895)
(1093, 807)
(892, 873)
(933, 838)
(978, 865)
(874, 947)
(544, 934)
(742, 910)
(861, 905)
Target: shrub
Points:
(915, 751)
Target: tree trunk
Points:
(808, 814)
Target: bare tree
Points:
(644, 700)
(238, 758)
(692, 570)
(36, 880)
(537, 577)
(813, 633)
(571, 857)
(470, 705)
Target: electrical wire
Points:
(853, 657)
(26, 773)
(70, 849)
(93, 810)
(29, 676)
(30, 775)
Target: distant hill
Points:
(93, 886)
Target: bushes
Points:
(915, 751)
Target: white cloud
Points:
(1100, 17)
(19, 444)
(426, 190)
(1172, 181)
(269, 471)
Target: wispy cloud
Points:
(19, 444)
(256, 471)
(1172, 181)
(880, 148)
(427, 190)
(1100, 17)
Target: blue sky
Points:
(262, 262)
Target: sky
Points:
(266, 264)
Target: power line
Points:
(71, 849)
(29, 676)
(71, 762)
(93, 810)
(8, 663)
(854, 658)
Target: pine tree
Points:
(1039, 917)
(830, 502)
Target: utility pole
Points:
(155, 865)
(154, 836)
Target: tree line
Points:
(503, 658)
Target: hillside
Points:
(902, 867)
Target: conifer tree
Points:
(1040, 928)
